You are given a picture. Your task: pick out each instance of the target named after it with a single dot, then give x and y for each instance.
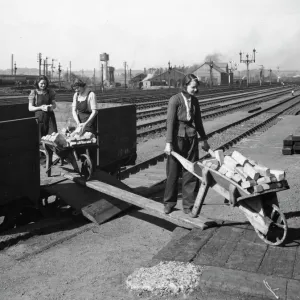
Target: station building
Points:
(172, 78)
(220, 74)
(137, 81)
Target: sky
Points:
(150, 33)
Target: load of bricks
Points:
(249, 174)
(291, 145)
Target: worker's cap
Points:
(78, 83)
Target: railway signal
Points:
(248, 61)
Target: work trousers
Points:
(188, 148)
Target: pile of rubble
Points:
(166, 278)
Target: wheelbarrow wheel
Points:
(86, 167)
(278, 229)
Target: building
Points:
(170, 78)
(137, 80)
(214, 73)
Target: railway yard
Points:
(71, 249)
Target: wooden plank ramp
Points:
(128, 196)
(95, 206)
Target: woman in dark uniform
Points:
(184, 122)
(42, 102)
(84, 107)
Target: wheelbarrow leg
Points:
(73, 160)
(49, 155)
(201, 194)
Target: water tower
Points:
(104, 57)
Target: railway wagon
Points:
(116, 136)
(20, 168)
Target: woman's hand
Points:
(168, 148)
(44, 108)
(82, 126)
(205, 146)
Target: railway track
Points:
(160, 108)
(133, 97)
(220, 138)
(158, 125)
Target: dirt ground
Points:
(95, 263)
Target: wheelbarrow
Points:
(79, 156)
(261, 209)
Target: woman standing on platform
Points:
(84, 107)
(42, 102)
(183, 123)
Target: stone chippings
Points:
(166, 278)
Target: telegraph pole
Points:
(125, 73)
(270, 76)
(44, 67)
(94, 79)
(59, 71)
(102, 86)
(15, 69)
(52, 69)
(169, 71)
(47, 66)
(211, 66)
(70, 72)
(39, 60)
(12, 64)
(248, 61)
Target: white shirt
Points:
(187, 102)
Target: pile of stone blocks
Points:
(291, 145)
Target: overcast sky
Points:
(149, 33)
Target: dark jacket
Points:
(177, 124)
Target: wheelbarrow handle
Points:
(212, 153)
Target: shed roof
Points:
(173, 70)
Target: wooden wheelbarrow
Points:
(82, 163)
(261, 209)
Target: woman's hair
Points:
(42, 77)
(187, 79)
(78, 83)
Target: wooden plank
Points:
(177, 217)
(95, 206)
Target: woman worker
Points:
(84, 106)
(42, 102)
(183, 123)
